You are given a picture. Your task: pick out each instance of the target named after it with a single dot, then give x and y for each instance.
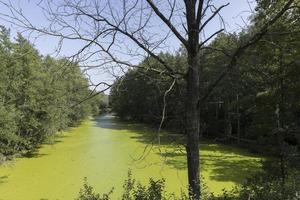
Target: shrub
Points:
(87, 193)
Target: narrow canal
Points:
(103, 150)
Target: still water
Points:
(103, 150)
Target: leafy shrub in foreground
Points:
(265, 185)
(87, 193)
(133, 190)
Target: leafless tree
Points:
(120, 33)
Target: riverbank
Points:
(103, 149)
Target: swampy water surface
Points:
(103, 150)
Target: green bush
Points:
(265, 185)
(87, 193)
(133, 190)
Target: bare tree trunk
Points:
(238, 115)
(192, 103)
(192, 127)
(227, 121)
(192, 100)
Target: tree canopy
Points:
(39, 95)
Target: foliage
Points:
(128, 103)
(87, 193)
(253, 102)
(138, 191)
(38, 95)
(267, 185)
(256, 103)
(264, 185)
(133, 190)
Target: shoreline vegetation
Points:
(39, 96)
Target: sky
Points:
(235, 15)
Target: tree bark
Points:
(192, 129)
(192, 103)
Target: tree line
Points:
(256, 103)
(255, 100)
(39, 95)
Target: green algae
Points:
(103, 149)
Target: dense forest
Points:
(38, 95)
(255, 101)
(256, 105)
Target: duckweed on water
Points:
(103, 149)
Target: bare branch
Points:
(210, 37)
(212, 17)
(167, 22)
(164, 109)
(199, 12)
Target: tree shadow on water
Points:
(57, 138)
(227, 168)
(175, 159)
(142, 133)
(33, 154)
(3, 179)
(220, 162)
(228, 163)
